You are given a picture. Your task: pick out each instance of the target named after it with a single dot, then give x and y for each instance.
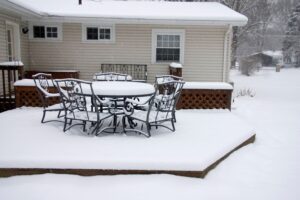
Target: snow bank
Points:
(208, 85)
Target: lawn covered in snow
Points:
(267, 169)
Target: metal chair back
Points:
(43, 83)
(166, 98)
(74, 94)
(111, 76)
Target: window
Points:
(104, 33)
(39, 32)
(45, 32)
(10, 44)
(167, 46)
(92, 33)
(52, 32)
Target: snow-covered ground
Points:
(268, 169)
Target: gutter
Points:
(226, 43)
(82, 19)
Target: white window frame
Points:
(155, 32)
(99, 26)
(57, 25)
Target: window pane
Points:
(38, 31)
(104, 34)
(171, 38)
(107, 36)
(52, 32)
(167, 54)
(92, 33)
(102, 31)
(159, 37)
(159, 44)
(176, 44)
(165, 44)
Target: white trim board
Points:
(17, 41)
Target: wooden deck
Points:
(7, 172)
(193, 150)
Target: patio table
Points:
(117, 89)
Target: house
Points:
(265, 58)
(54, 34)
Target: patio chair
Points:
(111, 76)
(159, 86)
(160, 111)
(76, 96)
(43, 82)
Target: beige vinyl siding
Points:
(204, 47)
(3, 41)
(23, 38)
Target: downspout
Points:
(225, 51)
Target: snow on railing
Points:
(208, 85)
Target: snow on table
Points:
(121, 88)
(208, 85)
(26, 143)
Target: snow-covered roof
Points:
(274, 54)
(159, 11)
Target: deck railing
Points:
(9, 74)
(138, 72)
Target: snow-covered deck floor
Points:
(202, 138)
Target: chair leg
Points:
(65, 125)
(44, 114)
(84, 126)
(148, 130)
(124, 123)
(96, 129)
(58, 115)
(173, 126)
(174, 117)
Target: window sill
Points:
(44, 40)
(164, 63)
(98, 41)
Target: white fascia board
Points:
(137, 21)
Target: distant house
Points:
(266, 58)
(54, 34)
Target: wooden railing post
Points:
(9, 74)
